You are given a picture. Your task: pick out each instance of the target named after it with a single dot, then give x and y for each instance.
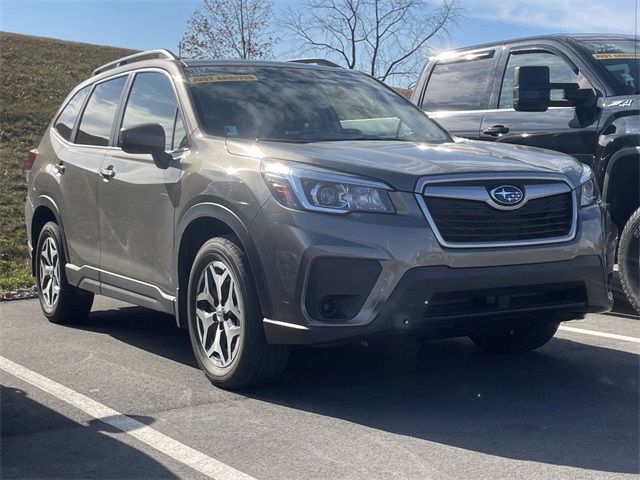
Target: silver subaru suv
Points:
(268, 204)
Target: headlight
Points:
(301, 186)
(588, 190)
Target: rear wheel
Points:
(517, 340)
(60, 302)
(225, 320)
(629, 260)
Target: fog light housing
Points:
(328, 307)
(338, 287)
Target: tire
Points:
(221, 271)
(518, 340)
(61, 303)
(629, 260)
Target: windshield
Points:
(621, 59)
(304, 105)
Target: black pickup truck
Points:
(577, 94)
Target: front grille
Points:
(471, 221)
(506, 300)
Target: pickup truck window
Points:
(559, 72)
(621, 59)
(458, 86)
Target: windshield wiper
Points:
(337, 139)
(286, 140)
(364, 139)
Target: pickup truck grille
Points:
(466, 222)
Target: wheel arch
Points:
(200, 223)
(45, 210)
(621, 186)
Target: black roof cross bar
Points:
(316, 61)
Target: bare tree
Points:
(386, 38)
(230, 29)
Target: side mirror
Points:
(146, 138)
(531, 89)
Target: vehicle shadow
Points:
(151, 331)
(38, 442)
(568, 404)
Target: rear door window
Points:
(459, 86)
(153, 100)
(67, 119)
(99, 114)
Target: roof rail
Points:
(316, 61)
(136, 57)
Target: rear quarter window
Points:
(67, 119)
(459, 85)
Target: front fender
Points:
(631, 151)
(225, 215)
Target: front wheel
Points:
(517, 340)
(225, 321)
(629, 260)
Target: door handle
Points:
(60, 168)
(496, 130)
(108, 172)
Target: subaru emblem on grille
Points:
(507, 195)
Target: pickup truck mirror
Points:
(146, 138)
(532, 91)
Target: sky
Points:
(148, 24)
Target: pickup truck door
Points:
(558, 128)
(458, 89)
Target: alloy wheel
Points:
(219, 315)
(50, 273)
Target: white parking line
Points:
(147, 435)
(600, 334)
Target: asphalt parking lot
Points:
(120, 396)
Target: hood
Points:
(401, 164)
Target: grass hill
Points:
(37, 74)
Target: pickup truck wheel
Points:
(225, 320)
(629, 260)
(517, 340)
(61, 303)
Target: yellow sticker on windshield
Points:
(223, 78)
(616, 56)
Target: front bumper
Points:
(440, 302)
(391, 273)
